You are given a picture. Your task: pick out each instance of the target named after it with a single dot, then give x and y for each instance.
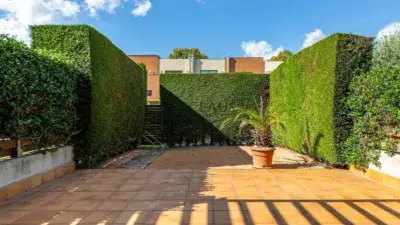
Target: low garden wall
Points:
(24, 173)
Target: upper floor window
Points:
(173, 71)
(208, 71)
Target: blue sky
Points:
(217, 27)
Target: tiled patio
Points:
(217, 195)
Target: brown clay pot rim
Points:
(263, 149)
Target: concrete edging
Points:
(22, 174)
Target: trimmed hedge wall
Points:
(37, 94)
(112, 91)
(195, 105)
(309, 90)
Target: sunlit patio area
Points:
(211, 193)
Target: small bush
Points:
(375, 108)
(37, 94)
(195, 105)
(111, 90)
(309, 91)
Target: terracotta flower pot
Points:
(262, 156)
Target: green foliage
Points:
(374, 105)
(183, 53)
(112, 91)
(387, 51)
(309, 91)
(282, 56)
(195, 105)
(258, 119)
(37, 94)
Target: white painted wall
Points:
(389, 165)
(205, 64)
(209, 64)
(174, 64)
(271, 66)
(14, 170)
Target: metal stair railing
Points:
(152, 137)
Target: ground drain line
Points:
(158, 155)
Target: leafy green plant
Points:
(37, 94)
(183, 53)
(282, 55)
(111, 91)
(387, 51)
(258, 120)
(374, 105)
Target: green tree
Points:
(183, 53)
(387, 51)
(282, 55)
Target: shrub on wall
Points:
(112, 91)
(37, 94)
(309, 90)
(195, 105)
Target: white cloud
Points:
(19, 14)
(389, 30)
(313, 37)
(142, 7)
(103, 5)
(259, 49)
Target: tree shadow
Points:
(179, 196)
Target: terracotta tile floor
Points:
(225, 157)
(168, 196)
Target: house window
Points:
(208, 71)
(173, 71)
(149, 92)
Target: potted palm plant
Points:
(258, 120)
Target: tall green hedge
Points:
(195, 105)
(37, 94)
(112, 90)
(309, 90)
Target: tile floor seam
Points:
(233, 184)
(259, 190)
(306, 188)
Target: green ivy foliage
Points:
(37, 94)
(308, 91)
(111, 90)
(195, 105)
(375, 108)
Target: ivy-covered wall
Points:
(112, 90)
(309, 90)
(195, 105)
